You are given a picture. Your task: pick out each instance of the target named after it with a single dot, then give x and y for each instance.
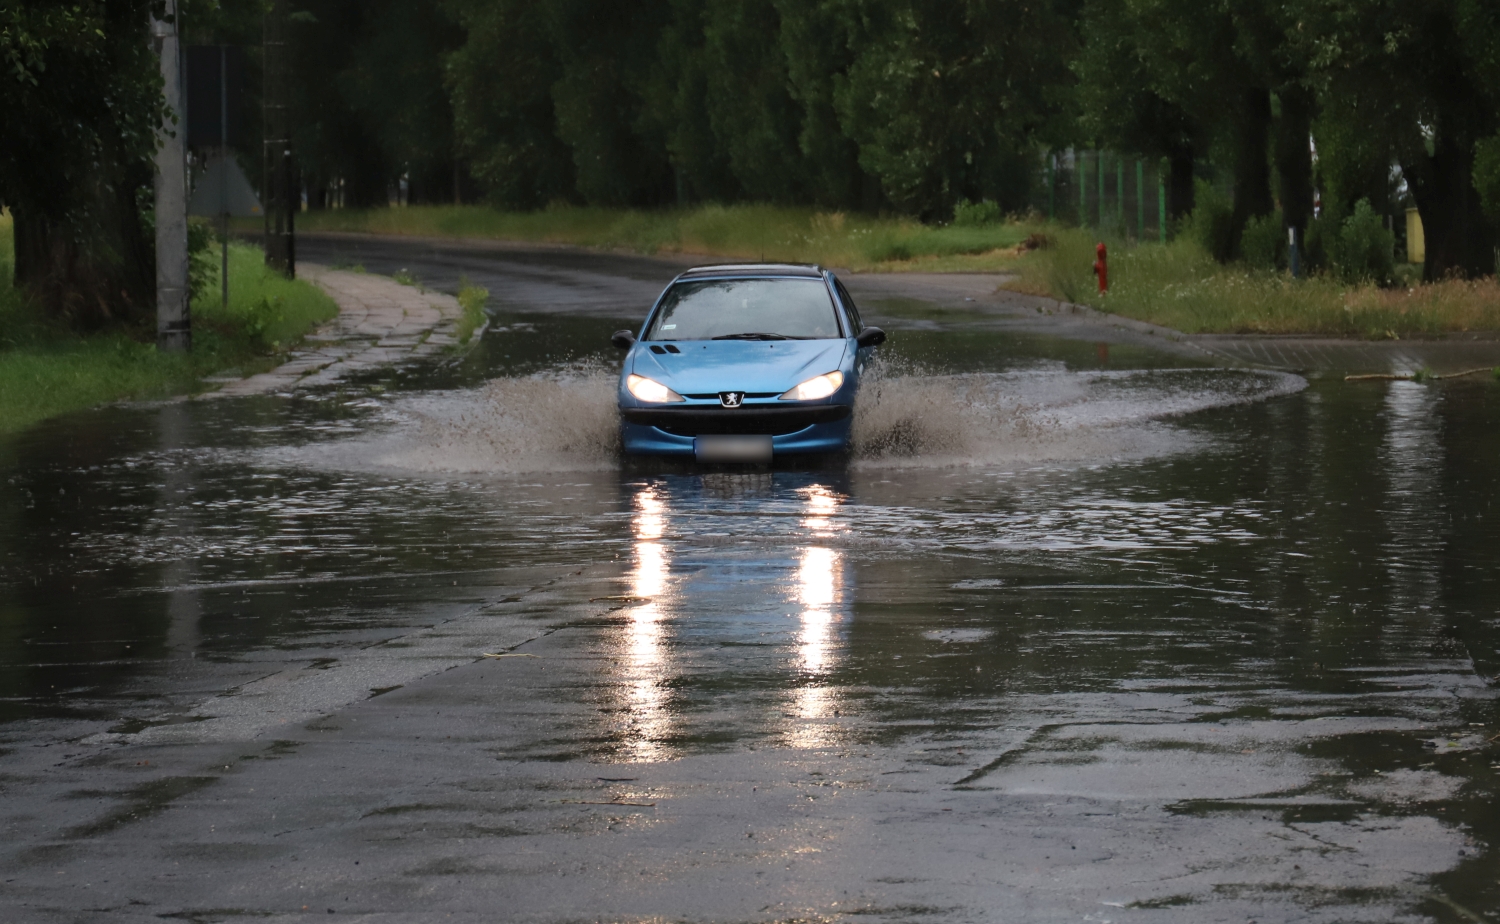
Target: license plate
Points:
(732, 448)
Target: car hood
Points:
(713, 366)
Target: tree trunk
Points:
(1294, 157)
(1460, 241)
(94, 270)
(1252, 167)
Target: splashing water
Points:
(915, 419)
(566, 419)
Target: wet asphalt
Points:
(1179, 643)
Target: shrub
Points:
(1263, 245)
(1363, 251)
(973, 214)
(203, 261)
(1212, 221)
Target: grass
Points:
(471, 299)
(743, 232)
(47, 369)
(1178, 285)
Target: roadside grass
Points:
(740, 232)
(1178, 285)
(471, 299)
(47, 369)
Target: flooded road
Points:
(1088, 629)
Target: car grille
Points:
(776, 421)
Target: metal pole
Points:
(276, 154)
(224, 175)
(174, 330)
(224, 259)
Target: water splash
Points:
(915, 419)
(564, 420)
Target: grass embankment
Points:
(47, 369)
(742, 232)
(1179, 285)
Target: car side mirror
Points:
(870, 337)
(624, 339)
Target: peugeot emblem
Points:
(731, 398)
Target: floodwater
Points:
(1082, 631)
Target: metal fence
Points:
(1124, 194)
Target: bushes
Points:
(1264, 244)
(1212, 222)
(1362, 250)
(968, 214)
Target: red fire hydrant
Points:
(1101, 267)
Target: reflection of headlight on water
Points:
(822, 504)
(818, 581)
(646, 699)
(816, 578)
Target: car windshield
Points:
(746, 309)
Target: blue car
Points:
(744, 363)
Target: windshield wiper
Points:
(756, 336)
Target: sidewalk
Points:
(380, 322)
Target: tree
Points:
(1119, 104)
(945, 99)
(80, 103)
(1428, 72)
(818, 49)
(500, 81)
(606, 51)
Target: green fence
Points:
(1123, 194)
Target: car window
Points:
(750, 309)
(849, 307)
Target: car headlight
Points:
(647, 390)
(820, 386)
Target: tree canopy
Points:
(895, 105)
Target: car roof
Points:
(808, 270)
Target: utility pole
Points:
(278, 190)
(174, 331)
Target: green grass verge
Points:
(742, 232)
(1179, 285)
(46, 369)
(471, 299)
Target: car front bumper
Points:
(793, 430)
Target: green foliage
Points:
(975, 214)
(1363, 249)
(1264, 243)
(79, 105)
(1487, 174)
(203, 259)
(1211, 224)
(471, 299)
(943, 98)
(47, 369)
